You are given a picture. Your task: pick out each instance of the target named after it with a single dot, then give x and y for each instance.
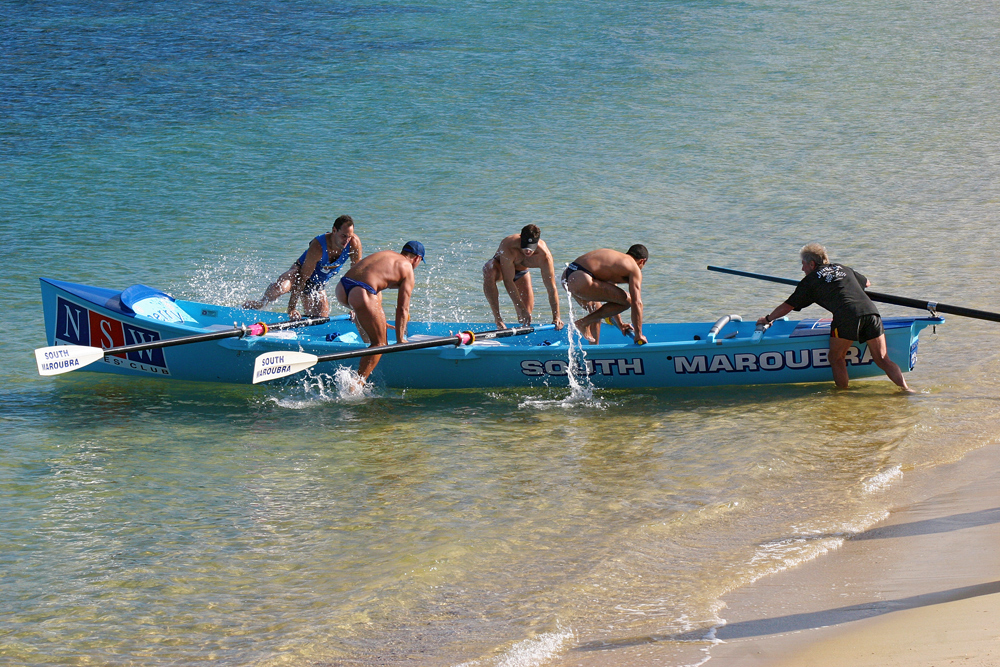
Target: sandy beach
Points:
(920, 588)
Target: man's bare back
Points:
(382, 270)
(360, 289)
(593, 281)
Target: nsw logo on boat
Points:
(77, 325)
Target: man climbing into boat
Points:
(518, 253)
(308, 276)
(593, 280)
(360, 290)
(841, 290)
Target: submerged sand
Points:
(920, 588)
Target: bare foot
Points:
(583, 333)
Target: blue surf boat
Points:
(726, 352)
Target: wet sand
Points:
(920, 588)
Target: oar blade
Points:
(60, 359)
(274, 365)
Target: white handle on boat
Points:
(719, 324)
(758, 333)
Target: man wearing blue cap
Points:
(360, 290)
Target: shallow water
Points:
(197, 147)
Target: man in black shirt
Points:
(841, 290)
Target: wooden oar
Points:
(932, 306)
(274, 365)
(65, 358)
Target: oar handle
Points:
(920, 304)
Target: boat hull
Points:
(677, 355)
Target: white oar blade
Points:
(65, 358)
(274, 365)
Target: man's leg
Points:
(283, 285)
(315, 304)
(585, 288)
(527, 294)
(371, 321)
(880, 355)
(838, 360)
(490, 277)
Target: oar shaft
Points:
(921, 304)
(433, 342)
(215, 335)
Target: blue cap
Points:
(415, 247)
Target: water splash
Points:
(581, 389)
(344, 387)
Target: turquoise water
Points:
(197, 146)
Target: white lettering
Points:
(866, 358)
(697, 365)
(771, 361)
(556, 367)
(624, 366)
(606, 366)
(821, 358)
(74, 322)
(107, 341)
(532, 368)
(803, 361)
(746, 362)
(720, 362)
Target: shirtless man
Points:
(518, 253)
(360, 290)
(309, 274)
(593, 281)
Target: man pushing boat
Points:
(518, 253)
(360, 290)
(308, 276)
(593, 281)
(841, 290)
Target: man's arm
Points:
(355, 244)
(403, 305)
(635, 292)
(777, 313)
(308, 266)
(549, 278)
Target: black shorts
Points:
(861, 329)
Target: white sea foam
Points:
(581, 389)
(883, 480)
(529, 652)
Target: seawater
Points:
(197, 146)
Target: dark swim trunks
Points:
(351, 283)
(520, 274)
(861, 329)
(572, 267)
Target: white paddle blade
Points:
(274, 365)
(65, 358)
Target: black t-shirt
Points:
(839, 289)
